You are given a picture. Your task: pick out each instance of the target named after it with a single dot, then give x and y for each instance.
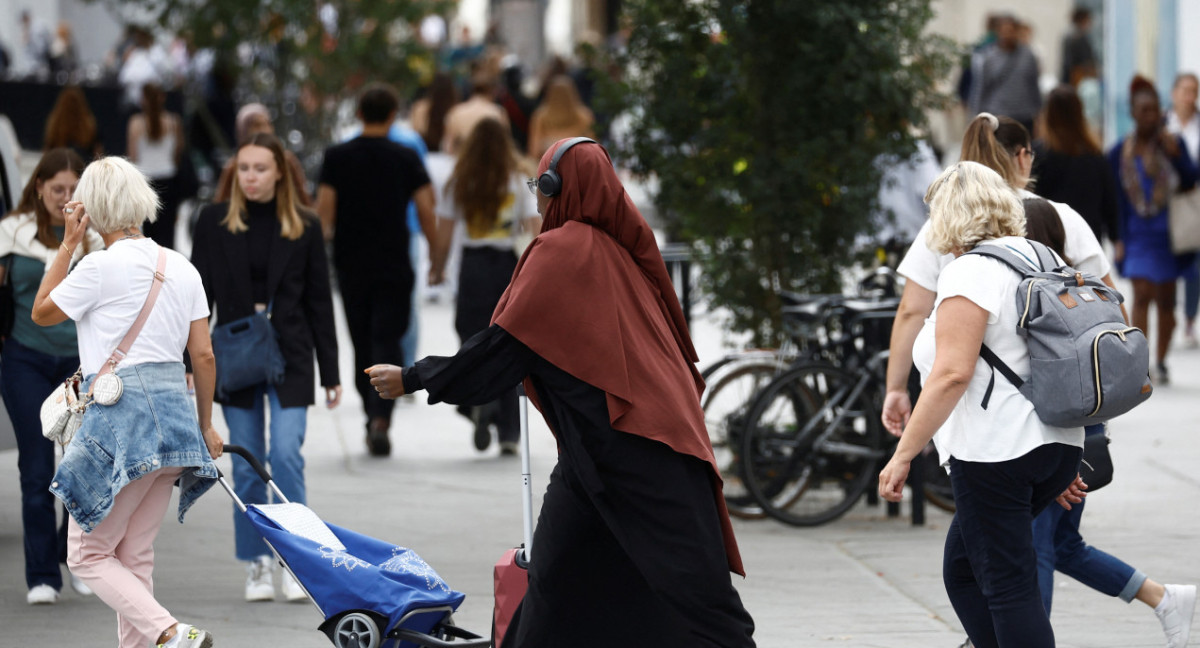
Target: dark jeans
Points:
(482, 280)
(990, 567)
(377, 311)
(27, 377)
(1059, 546)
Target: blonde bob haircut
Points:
(970, 203)
(116, 195)
(291, 225)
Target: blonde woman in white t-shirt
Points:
(1006, 465)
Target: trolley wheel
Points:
(356, 630)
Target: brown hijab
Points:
(592, 296)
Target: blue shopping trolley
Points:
(370, 592)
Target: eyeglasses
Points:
(532, 184)
(1031, 154)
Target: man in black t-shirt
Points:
(365, 187)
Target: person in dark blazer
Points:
(262, 251)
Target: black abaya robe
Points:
(628, 549)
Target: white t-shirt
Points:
(106, 291)
(1008, 428)
(923, 265)
(516, 207)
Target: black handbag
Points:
(1096, 468)
(247, 354)
(8, 305)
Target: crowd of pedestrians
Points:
(453, 180)
(1008, 536)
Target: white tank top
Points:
(157, 159)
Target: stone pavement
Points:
(862, 581)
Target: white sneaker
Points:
(81, 588)
(291, 589)
(42, 595)
(1175, 612)
(259, 585)
(187, 636)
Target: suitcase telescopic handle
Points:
(526, 553)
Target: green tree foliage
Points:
(762, 120)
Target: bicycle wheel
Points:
(811, 444)
(725, 402)
(937, 481)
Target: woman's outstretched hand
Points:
(387, 380)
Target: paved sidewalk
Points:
(862, 581)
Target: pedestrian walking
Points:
(1150, 164)
(633, 526)
(263, 252)
(116, 476)
(155, 144)
(1003, 145)
(1004, 76)
(37, 359)
(365, 187)
(71, 124)
(1005, 464)
(1056, 537)
(252, 119)
(1183, 120)
(560, 115)
(486, 193)
(1070, 166)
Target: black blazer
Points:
(298, 282)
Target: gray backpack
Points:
(1086, 364)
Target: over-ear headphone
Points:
(549, 183)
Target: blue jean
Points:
(990, 568)
(282, 457)
(1191, 292)
(1059, 545)
(27, 377)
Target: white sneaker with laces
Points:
(259, 585)
(81, 588)
(42, 595)
(291, 589)
(1175, 612)
(187, 636)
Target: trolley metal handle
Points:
(258, 468)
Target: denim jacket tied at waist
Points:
(152, 426)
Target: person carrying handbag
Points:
(151, 434)
(36, 359)
(262, 252)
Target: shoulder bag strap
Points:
(127, 341)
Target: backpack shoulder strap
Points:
(1046, 257)
(997, 364)
(1006, 256)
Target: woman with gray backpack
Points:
(1006, 464)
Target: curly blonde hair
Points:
(970, 203)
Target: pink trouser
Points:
(117, 558)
